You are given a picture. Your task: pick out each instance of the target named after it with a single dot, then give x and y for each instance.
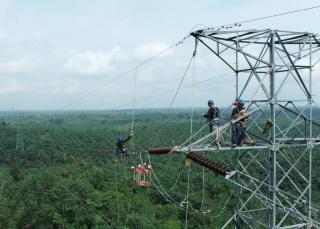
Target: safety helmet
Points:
(119, 139)
(241, 102)
(210, 102)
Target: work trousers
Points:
(238, 133)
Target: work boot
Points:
(234, 145)
(247, 141)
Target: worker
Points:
(212, 116)
(238, 134)
(121, 150)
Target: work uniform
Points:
(121, 150)
(213, 117)
(239, 127)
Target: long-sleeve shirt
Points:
(236, 112)
(120, 144)
(212, 113)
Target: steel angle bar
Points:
(252, 181)
(258, 137)
(292, 207)
(215, 31)
(253, 42)
(238, 50)
(280, 131)
(305, 35)
(302, 50)
(258, 209)
(287, 75)
(307, 55)
(254, 122)
(296, 55)
(291, 54)
(257, 77)
(285, 132)
(295, 121)
(316, 40)
(315, 63)
(216, 54)
(223, 50)
(293, 124)
(261, 55)
(243, 34)
(284, 193)
(289, 33)
(278, 202)
(249, 69)
(303, 117)
(300, 225)
(253, 193)
(294, 210)
(289, 178)
(257, 161)
(292, 100)
(289, 119)
(280, 71)
(252, 221)
(294, 67)
(293, 165)
(257, 36)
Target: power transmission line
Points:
(231, 25)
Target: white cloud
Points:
(17, 66)
(94, 62)
(150, 49)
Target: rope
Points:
(117, 193)
(180, 83)
(191, 129)
(202, 200)
(187, 198)
(176, 92)
(224, 206)
(193, 91)
(133, 113)
(134, 101)
(177, 179)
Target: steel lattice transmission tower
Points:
(273, 176)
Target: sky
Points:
(63, 54)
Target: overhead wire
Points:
(121, 75)
(191, 131)
(229, 25)
(239, 23)
(139, 100)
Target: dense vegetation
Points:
(61, 172)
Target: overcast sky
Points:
(60, 54)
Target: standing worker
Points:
(212, 116)
(238, 132)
